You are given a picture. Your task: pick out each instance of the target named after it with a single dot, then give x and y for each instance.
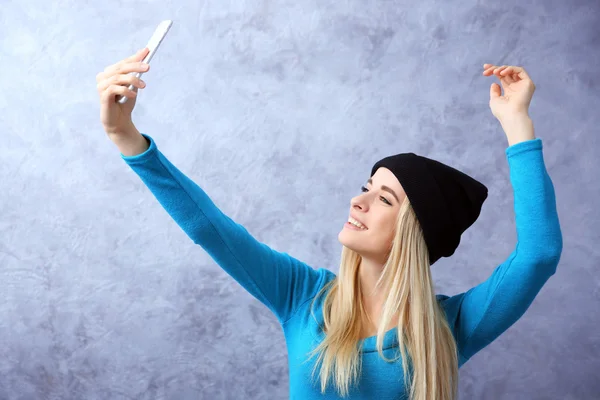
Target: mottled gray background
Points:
(278, 109)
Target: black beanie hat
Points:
(446, 201)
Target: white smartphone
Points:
(153, 44)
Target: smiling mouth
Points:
(355, 224)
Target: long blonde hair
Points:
(423, 331)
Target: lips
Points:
(358, 219)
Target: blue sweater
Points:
(287, 285)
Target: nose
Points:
(360, 203)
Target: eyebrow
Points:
(387, 189)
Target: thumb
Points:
(495, 91)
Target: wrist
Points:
(130, 143)
(518, 128)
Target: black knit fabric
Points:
(446, 200)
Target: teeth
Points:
(356, 223)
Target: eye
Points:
(385, 200)
(364, 189)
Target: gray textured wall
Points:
(278, 109)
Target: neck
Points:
(369, 272)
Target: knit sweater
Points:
(287, 285)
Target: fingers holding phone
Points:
(120, 79)
(118, 84)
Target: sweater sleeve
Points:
(279, 281)
(490, 308)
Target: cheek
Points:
(385, 232)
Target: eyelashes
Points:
(364, 189)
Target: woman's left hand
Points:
(518, 91)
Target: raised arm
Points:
(484, 312)
(278, 280)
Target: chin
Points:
(346, 241)
(342, 237)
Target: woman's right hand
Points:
(114, 81)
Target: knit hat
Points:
(446, 201)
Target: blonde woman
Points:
(377, 330)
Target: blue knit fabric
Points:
(287, 285)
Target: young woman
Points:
(377, 330)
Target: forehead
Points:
(385, 177)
